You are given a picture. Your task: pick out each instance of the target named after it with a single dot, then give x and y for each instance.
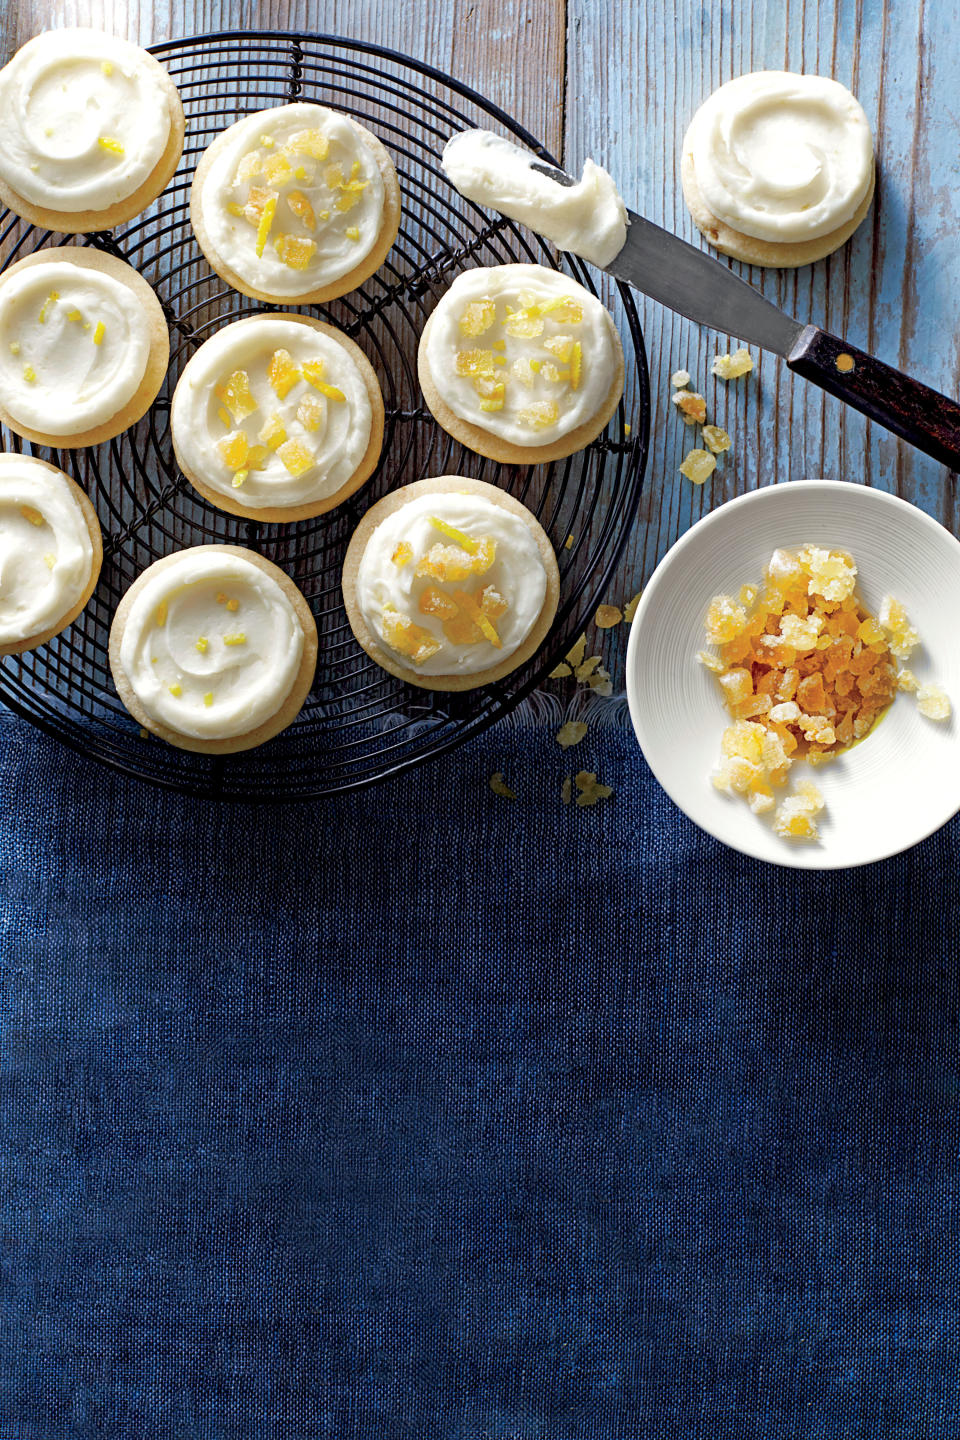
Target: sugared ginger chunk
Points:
(235, 395)
(408, 639)
(282, 373)
(933, 702)
(478, 317)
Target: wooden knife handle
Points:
(926, 418)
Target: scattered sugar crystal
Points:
(680, 379)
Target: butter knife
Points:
(703, 289)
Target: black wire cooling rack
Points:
(359, 723)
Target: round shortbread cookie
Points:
(158, 343)
(317, 294)
(748, 248)
(92, 524)
(232, 502)
(268, 728)
(76, 222)
(390, 660)
(487, 442)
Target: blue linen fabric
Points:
(426, 1113)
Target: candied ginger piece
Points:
(724, 620)
(630, 609)
(403, 554)
(277, 170)
(575, 654)
(590, 788)
(710, 661)
(906, 680)
(698, 466)
(800, 634)
(302, 208)
(474, 362)
(310, 413)
(832, 573)
(475, 611)
(524, 324)
(451, 563)
(296, 457)
(313, 373)
(933, 702)
(272, 432)
(607, 616)
(692, 407)
(565, 310)
(731, 367)
(744, 740)
(235, 395)
(561, 346)
(478, 317)
(500, 787)
(680, 379)
(282, 373)
(795, 820)
(570, 733)
(715, 439)
(250, 165)
(233, 449)
(522, 370)
(308, 142)
(295, 252)
(539, 415)
(903, 638)
(433, 602)
(786, 713)
(737, 685)
(408, 639)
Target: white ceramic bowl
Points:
(903, 780)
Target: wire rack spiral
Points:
(359, 723)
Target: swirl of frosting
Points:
(74, 346)
(46, 553)
(293, 198)
(211, 645)
(451, 583)
(271, 412)
(85, 120)
(782, 157)
(521, 351)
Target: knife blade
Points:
(705, 290)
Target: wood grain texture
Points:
(619, 80)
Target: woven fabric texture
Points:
(427, 1113)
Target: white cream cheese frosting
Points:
(782, 157)
(298, 185)
(74, 346)
(211, 645)
(271, 413)
(588, 218)
(451, 583)
(85, 119)
(523, 352)
(46, 553)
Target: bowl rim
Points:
(791, 858)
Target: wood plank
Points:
(634, 81)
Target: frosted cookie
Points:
(295, 205)
(520, 363)
(213, 649)
(277, 417)
(50, 552)
(92, 130)
(450, 583)
(83, 347)
(777, 168)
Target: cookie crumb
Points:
(565, 790)
(630, 609)
(591, 790)
(499, 786)
(560, 672)
(576, 652)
